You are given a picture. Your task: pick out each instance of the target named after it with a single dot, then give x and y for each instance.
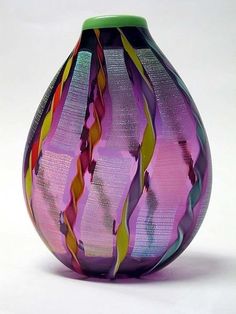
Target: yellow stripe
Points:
(146, 153)
(122, 236)
(95, 130)
(28, 180)
(148, 143)
(48, 118)
(131, 52)
(66, 71)
(101, 79)
(77, 185)
(28, 188)
(97, 33)
(43, 133)
(45, 127)
(71, 240)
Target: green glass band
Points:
(108, 21)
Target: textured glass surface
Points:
(117, 169)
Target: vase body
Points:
(117, 168)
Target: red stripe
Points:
(56, 97)
(34, 155)
(76, 48)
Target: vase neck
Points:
(111, 21)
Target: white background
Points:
(199, 38)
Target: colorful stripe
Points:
(188, 219)
(144, 157)
(90, 138)
(45, 128)
(196, 173)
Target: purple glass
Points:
(117, 167)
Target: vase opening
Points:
(110, 21)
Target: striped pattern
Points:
(196, 175)
(66, 137)
(188, 220)
(85, 160)
(45, 127)
(125, 127)
(99, 198)
(144, 157)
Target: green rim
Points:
(109, 21)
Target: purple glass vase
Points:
(117, 167)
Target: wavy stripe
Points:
(85, 158)
(144, 157)
(45, 128)
(187, 220)
(133, 55)
(28, 189)
(199, 170)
